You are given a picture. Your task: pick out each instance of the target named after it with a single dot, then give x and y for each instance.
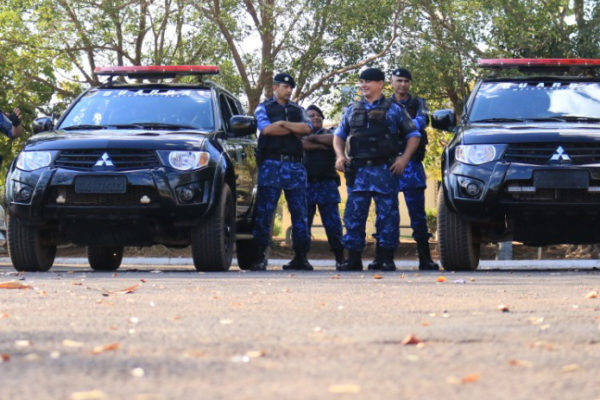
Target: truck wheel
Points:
(212, 240)
(459, 250)
(25, 247)
(105, 258)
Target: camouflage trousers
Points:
(266, 202)
(415, 202)
(387, 219)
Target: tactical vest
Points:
(320, 164)
(370, 137)
(287, 144)
(412, 107)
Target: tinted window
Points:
(190, 107)
(536, 99)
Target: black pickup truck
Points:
(141, 159)
(524, 162)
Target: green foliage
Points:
(431, 216)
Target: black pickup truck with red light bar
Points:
(524, 162)
(141, 159)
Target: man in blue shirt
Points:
(323, 181)
(367, 145)
(281, 124)
(10, 123)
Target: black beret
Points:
(284, 78)
(402, 73)
(372, 74)
(315, 108)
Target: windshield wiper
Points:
(83, 127)
(498, 120)
(152, 125)
(577, 118)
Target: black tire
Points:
(105, 258)
(459, 250)
(26, 249)
(213, 239)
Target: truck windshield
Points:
(137, 108)
(536, 100)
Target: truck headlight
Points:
(32, 160)
(477, 154)
(188, 160)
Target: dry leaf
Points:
(592, 295)
(336, 276)
(570, 368)
(503, 308)
(5, 315)
(15, 285)
(71, 343)
(441, 279)
(143, 280)
(411, 339)
(377, 276)
(520, 363)
(255, 353)
(91, 395)
(22, 343)
(344, 388)
(4, 357)
(106, 347)
(470, 378)
(138, 372)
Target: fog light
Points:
(473, 189)
(470, 187)
(24, 194)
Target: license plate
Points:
(100, 184)
(561, 179)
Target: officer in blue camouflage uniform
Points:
(323, 181)
(10, 123)
(281, 124)
(413, 182)
(367, 144)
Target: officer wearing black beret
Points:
(281, 124)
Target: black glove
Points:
(16, 121)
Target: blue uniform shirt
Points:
(5, 125)
(377, 178)
(280, 174)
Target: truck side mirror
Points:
(444, 120)
(242, 125)
(42, 124)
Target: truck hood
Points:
(526, 133)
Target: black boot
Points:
(387, 259)
(376, 264)
(299, 262)
(425, 261)
(339, 257)
(353, 263)
(261, 264)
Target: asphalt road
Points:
(152, 332)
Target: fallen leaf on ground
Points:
(15, 285)
(5, 315)
(592, 295)
(336, 276)
(22, 343)
(138, 372)
(545, 345)
(4, 357)
(344, 388)
(441, 279)
(90, 395)
(255, 353)
(71, 343)
(130, 289)
(377, 276)
(503, 308)
(570, 368)
(520, 363)
(411, 339)
(535, 320)
(470, 378)
(106, 347)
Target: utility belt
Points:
(284, 157)
(357, 163)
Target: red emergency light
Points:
(538, 62)
(157, 70)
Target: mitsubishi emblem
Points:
(104, 160)
(560, 156)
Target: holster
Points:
(350, 173)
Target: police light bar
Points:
(538, 62)
(157, 70)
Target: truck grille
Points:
(130, 198)
(540, 153)
(122, 159)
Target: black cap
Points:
(284, 78)
(315, 108)
(402, 73)
(372, 74)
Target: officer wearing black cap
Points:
(10, 123)
(323, 181)
(367, 147)
(413, 181)
(281, 124)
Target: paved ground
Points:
(168, 332)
